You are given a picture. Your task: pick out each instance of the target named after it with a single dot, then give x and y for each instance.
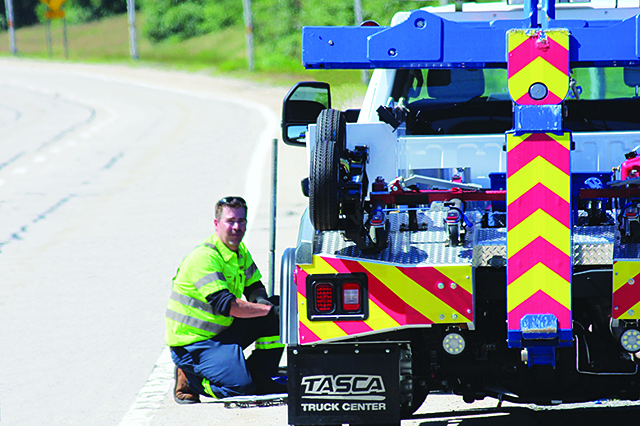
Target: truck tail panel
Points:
(397, 296)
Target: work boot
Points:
(182, 393)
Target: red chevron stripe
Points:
(542, 146)
(539, 251)
(627, 296)
(540, 303)
(309, 336)
(428, 278)
(353, 327)
(550, 99)
(301, 281)
(538, 197)
(381, 295)
(554, 53)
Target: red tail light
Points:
(351, 296)
(324, 297)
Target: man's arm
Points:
(225, 303)
(243, 309)
(256, 293)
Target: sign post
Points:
(248, 24)
(12, 32)
(133, 46)
(54, 12)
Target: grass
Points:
(219, 53)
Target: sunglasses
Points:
(232, 200)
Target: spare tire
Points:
(331, 125)
(324, 176)
(324, 205)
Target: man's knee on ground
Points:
(244, 388)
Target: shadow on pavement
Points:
(529, 416)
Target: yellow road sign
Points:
(54, 14)
(54, 5)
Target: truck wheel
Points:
(418, 397)
(454, 235)
(323, 186)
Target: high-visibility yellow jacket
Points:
(209, 268)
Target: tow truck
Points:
(473, 228)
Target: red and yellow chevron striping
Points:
(538, 57)
(539, 263)
(626, 289)
(398, 296)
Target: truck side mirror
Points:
(632, 76)
(301, 107)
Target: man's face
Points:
(231, 226)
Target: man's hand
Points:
(243, 309)
(263, 301)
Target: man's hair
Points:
(233, 202)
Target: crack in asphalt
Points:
(18, 235)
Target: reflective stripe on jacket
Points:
(209, 268)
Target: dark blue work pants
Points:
(217, 367)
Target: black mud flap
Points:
(344, 383)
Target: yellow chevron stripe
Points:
(537, 171)
(459, 274)
(560, 36)
(540, 277)
(623, 271)
(538, 70)
(539, 224)
(513, 140)
(413, 294)
(636, 312)
(319, 266)
(516, 37)
(322, 329)
(379, 319)
(563, 139)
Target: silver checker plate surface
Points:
(592, 245)
(417, 248)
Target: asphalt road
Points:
(108, 175)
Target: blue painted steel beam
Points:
(425, 40)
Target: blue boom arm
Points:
(426, 40)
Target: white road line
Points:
(259, 160)
(151, 396)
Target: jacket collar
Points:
(224, 250)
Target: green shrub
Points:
(183, 19)
(278, 23)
